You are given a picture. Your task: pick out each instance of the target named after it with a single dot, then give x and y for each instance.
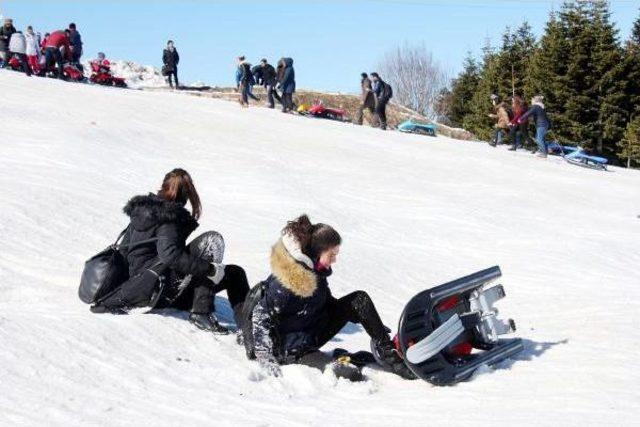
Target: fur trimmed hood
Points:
(292, 268)
(150, 210)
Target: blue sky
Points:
(331, 41)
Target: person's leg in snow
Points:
(357, 307)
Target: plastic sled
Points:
(578, 156)
(410, 126)
(447, 332)
(319, 110)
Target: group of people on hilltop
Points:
(281, 79)
(289, 315)
(36, 54)
(514, 120)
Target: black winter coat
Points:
(5, 37)
(294, 306)
(170, 59)
(268, 75)
(169, 222)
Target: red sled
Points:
(319, 110)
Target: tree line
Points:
(590, 81)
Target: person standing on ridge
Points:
(367, 98)
(269, 81)
(383, 93)
(5, 36)
(170, 60)
(75, 40)
(287, 83)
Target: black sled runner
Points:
(447, 332)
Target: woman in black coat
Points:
(166, 272)
(170, 59)
(297, 313)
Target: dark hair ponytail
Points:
(313, 238)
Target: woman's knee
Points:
(208, 246)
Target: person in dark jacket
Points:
(367, 98)
(266, 76)
(382, 94)
(287, 83)
(170, 60)
(542, 122)
(6, 31)
(297, 313)
(75, 40)
(244, 80)
(57, 42)
(166, 272)
(518, 131)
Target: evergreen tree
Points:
(462, 90)
(630, 145)
(478, 121)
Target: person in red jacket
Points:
(56, 41)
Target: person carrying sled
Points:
(501, 113)
(168, 273)
(75, 40)
(268, 79)
(367, 98)
(18, 49)
(33, 49)
(57, 42)
(382, 94)
(170, 60)
(542, 122)
(6, 31)
(287, 83)
(297, 314)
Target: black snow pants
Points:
(271, 95)
(287, 102)
(173, 74)
(381, 113)
(356, 307)
(53, 56)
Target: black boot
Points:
(101, 309)
(389, 357)
(208, 322)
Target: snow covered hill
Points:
(414, 212)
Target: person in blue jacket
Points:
(297, 314)
(542, 122)
(287, 83)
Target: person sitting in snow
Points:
(297, 314)
(101, 64)
(191, 273)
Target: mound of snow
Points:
(413, 211)
(136, 75)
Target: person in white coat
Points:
(33, 49)
(18, 48)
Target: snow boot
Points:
(208, 322)
(386, 355)
(101, 309)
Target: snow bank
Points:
(137, 76)
(413, 211)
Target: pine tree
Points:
(478, 121)
(630, 145)
(462, 90)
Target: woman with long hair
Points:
(164, 271)
(297, 314)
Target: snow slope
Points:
(413, 211)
